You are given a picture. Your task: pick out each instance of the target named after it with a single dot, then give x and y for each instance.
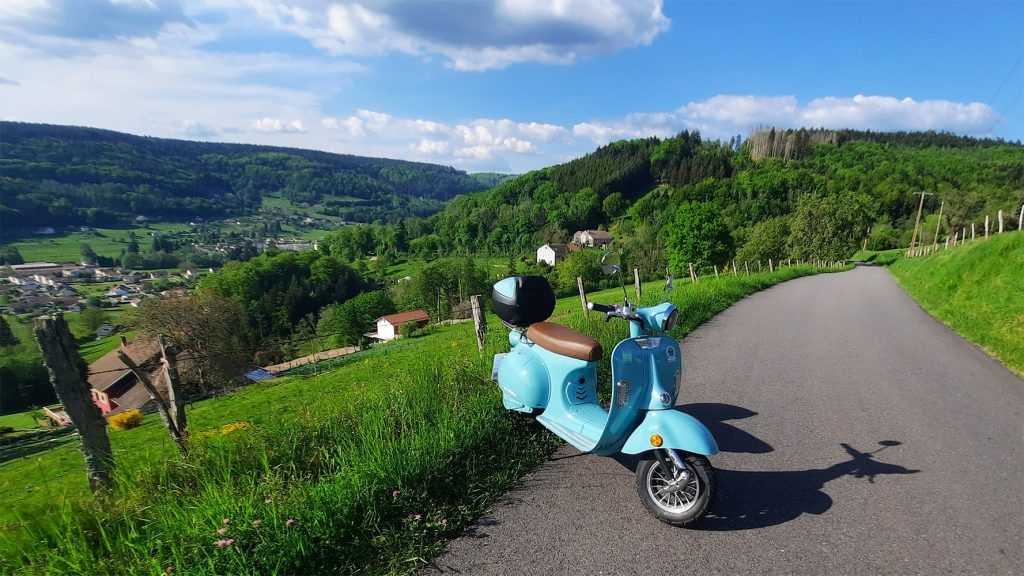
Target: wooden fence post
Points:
(693, 274)
(963, 235)
(1020, 219)
(771, 267)
(735, 271)
(972, 231)
(479, 320)
(161, 406)
(1000, 221)
(758, 265)
(636, 283)
(986, 225)
(174, 397)
(745, 267)
(69, 377)
(716, 270)
(583, 295)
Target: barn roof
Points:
(408, 316)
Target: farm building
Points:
(387, 326)
(551, 254)
(592, 238)
(115, 388)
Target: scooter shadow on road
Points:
(748, 500)
(757, 499)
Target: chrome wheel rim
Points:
(673, 502)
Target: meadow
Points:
(104, 241)
(365, 468)
(976, 289)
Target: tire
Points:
(677, 509)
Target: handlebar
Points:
(600, 307)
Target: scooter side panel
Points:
(678, 431)
(630, 373)
(523, 380)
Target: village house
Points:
(118, 291)
(387, 326)
(550, 254)
(30, 268)
(105, 330)
(46, 280)
(592, 238)
(25, 282)
(115, 388)
(106, 274)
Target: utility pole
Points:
(917, 223)
(938, 224)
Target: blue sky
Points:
(507, 85)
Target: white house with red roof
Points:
(387, 326)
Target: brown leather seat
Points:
(565, 341)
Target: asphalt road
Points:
(800, 384)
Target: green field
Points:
(977, 290)
(377, 461)
(105, 241)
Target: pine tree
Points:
(7, 338)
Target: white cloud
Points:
(431, 147)
(888, 113)
(724, 115)
(472, 34)
(277, 125)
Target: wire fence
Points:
(977, 230)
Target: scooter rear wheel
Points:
(682, 507)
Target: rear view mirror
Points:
(611, 263)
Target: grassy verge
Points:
(367, 468)
(977, 290)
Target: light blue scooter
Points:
(551, 372)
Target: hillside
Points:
(977, 290)
(62, 175)
(780, 194)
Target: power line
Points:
(996, 93)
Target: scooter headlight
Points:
(672, 321)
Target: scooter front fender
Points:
(678, 431)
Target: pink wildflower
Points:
(418, 517)
(225, 521)
(257, 522)
(444, 522)
(231, 541)
(222, 543)
(222, 531)
(461, 507)
(268, 501)
(395, 493)
(289, 522)
(169, 570)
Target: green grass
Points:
(105, 241)
(977, 290)
(19, 420)
(378, 461)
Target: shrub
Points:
(125, 420)
(408, 329)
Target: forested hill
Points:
(771, 194)
(63, 175)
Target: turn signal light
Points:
(656, 440)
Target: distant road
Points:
(799, 383)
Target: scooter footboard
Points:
(677, 430)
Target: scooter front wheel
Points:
(675, 502)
